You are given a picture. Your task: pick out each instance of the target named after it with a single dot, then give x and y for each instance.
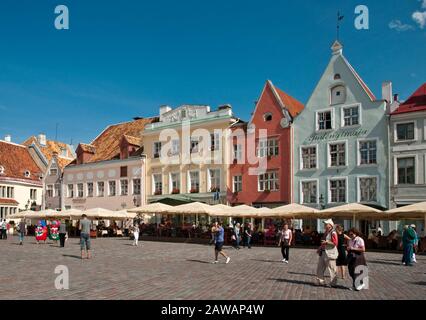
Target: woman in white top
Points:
(136, 234)
(356, 257)
(286, 237)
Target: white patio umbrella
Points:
(294, 211)
(151, 208)
(416, 211)
(245, 211)
(98, 213)
(193, 208)
(353, 210)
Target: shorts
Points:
(218, 246)
(85, 241)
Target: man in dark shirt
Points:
(22, 231)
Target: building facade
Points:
(341, 143)
(408, 150)
(21, 183)
(262, 175)
(186, 152)
(110, 172)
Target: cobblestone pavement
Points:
(160, 270)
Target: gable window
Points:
(368, 189)
(112, 188)
(406, 170)
(309, 157)
(368, 152)
(337, 190)
(405, 131)
(267, 116)
(27, 174)
(194, 181)
(268, 181)
(338, 95)
(324, 120)
(337, 154)
(337, 76)
(90, 189)
(80, 192)
(237, 183)
(70, 191)
(351, 116)
(157, 183)
(64, 152)
(309, 192)
(157, 149)
(136, 186)
(53, 172)
(124, 187)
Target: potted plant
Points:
(175, 191)
(194, 190)
(157, 193)
(267, 191)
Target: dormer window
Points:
(27, 174)
(183, 114)
(267, 117)
(2, 170)
(337, 76)
(338, 95)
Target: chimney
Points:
(8, 138)
(225, 107)
(41, 138)
(387, 91)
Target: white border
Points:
(358, 152)
(301, 199)
(233, 182)
(171, 182)
(342, 118)
(395, 167)
(188, 181)
(209, 182)
(333, 125)
(153, 182)
(301, 157)
(338, 83)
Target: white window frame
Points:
(68, 191)
(50, 171)
(358, 152)
(189, 180)
(333, 125)
(237, 151)
(301, 198)
(175, 147)
(171, 181)
(301, 157)
(153, 182)
(209, 179)
(87, 189)
(329, 155)
(97, 189)
(358, 188)
(154, 144)
(52, 189)
(233, 183)
(82, 190)
(121, 190)
(395, 133)
(133, 186)
(109, 188)
(395, 167)
(277, 178)
(342, 115)
(329, 189)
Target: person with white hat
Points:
(328, 254)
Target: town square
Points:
(229, 151)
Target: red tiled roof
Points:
(133, 140)
(87, 147)
(9, 201)
(416, 102)
(16, 160)
(293, 105)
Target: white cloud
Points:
(399, 26)
(420, 18)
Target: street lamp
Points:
(321, 202)
(28, 204)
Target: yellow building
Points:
(186, 151)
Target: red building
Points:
(274, 112)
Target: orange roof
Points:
(133, 140)
(16, 160)
(107, 144)
(51, 148)
(416, 102)
(8, 201)
(292, 105)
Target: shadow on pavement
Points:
(312, 284)
(260, 260)
(199, 261)
(384, 262)
(71, 256)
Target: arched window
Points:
(337, 76)
(338, 95)
(267, 116)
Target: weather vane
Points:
(339, 18)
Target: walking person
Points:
(328, 254)
(62, 233)
(237, 229)
(214, 227)
(415, 242)
(247, 235)
(286, 236)
(356, 257)
(408, 237)
(4, 229)
(135, 234)
(219, 233)
(85, 236)
(341, 261)
(22, 231)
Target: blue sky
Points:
(125, 58)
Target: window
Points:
(338, 191)
(350, 116)
(324, 120)
(49, 190)
(80, 192)
(70, 191)
(237, 183)
(90, 189)
(405, 131)
(194, 144)
(267, 148)
(337, 76)
(123, 172)
(175, 147)
(175, 183)
(33, 194)
(112, 188)
(337, 154)
(183, 114)
(194, 182)
(268, 181)
(27, 174)
(64, 152)
(214, 141)
(368, 152)
(338, 95)
(309, 192)
(214, 175)
(124, 187)
(7, 192)
(2, 170)
(406, 170)
(2, 192)
(101, 189)
(57, 190)
(157, 149)
(368, 189)
(53, 172)
(267, 116)
(238, 152)
(158, 184)
(136, 186)
(309, 157)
